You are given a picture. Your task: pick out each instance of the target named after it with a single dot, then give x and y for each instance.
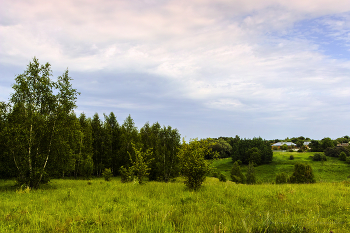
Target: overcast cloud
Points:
(271, 68)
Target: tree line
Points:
(42, 137)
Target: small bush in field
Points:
(319, 157)
(236, 174)
(250, 176)
(222, 177)
(342, 156)
(126, 174)
(291, 157)
(302, 174)
(107, 174)
(282, 178)
(347, 160)
(215, 173)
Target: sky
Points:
(271, 68)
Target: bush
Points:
(222, 177)
(291, 157)
(347, 160)
(107, 174)
(342, 156)
(236, 173)
(251, 174)
(282, 178)
(302, 174)
(126, 174)
(214, 173)
(319, 157)
(194, 167)
(300, 150)
(275, 148)
(291, 150)
(336, 151)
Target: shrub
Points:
(275, 148)
(319, 157)
(251, 174)
(302, 174)
(236, 173)
(107, 174)
(193, 165)
(126, 174)
(336, 151)
(222, 177)
(300, 150)
(282, 178)
(214, 173)
(347, 160)
(291, 150)
(291, 157)
(342, 156)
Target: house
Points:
(342, 144)
(279, 144)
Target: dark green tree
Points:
(302, 174)
(250, 176)
(236, 174)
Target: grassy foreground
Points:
(100, 206)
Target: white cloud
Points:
(234, 56)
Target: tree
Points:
(250, 176)
(236, 173)
(284, 147)
(139, 164)
(254, 155)
(302, 174)
(35, 115)
(193, 165)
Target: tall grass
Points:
(100, 206)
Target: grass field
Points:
(100, 206)
(332, 170)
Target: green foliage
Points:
(222, 177)
(220, 148)
(284, 147)
(347, 160)
(254, 155)
(126, 174)
(302, 174)
(319, 157)
(250, 176)
(107, 174)
(342, 156)
(194, 167)
(39, 120)
(240, 149)
(281, 178)
(236, 174)
(139, 164)
(291, 157)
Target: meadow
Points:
(332, 170)
(100, 206)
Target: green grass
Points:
(332, 170)
(76, 206)
(101, 206)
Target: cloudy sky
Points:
(209, 68)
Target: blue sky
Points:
(271, 68)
